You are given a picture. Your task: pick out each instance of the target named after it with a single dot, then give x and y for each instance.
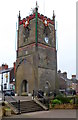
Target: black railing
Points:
(40, 95)
(13, 102)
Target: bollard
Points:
(33, 94)
(18, 106)
(4, 96)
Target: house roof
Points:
(6, 70)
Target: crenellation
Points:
(37, 58)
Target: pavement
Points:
(0, 112)
(69, 114)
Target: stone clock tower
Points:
(36, 64)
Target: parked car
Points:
(9, 93)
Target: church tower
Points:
(36, 64)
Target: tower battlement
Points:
(36, 64)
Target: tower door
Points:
(24, 86)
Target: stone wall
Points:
(25, 71)
(46, 77)
(47, 58)
(30, 32)
(37, 65)
(50, 33)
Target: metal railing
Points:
(11, 100)
(44, 100)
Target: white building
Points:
(5, 79)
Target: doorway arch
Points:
(24, 86)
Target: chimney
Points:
(65, 74)
(73, 76)
(4, 66)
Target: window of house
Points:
(5, 86)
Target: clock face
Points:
(46, 39)
(26, 23)
(46, 34)
(45, 22)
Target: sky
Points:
(65, 12)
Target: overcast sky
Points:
(65, 11)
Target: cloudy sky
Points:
(65, 11)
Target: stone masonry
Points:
(36, 64)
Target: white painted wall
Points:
(6, 80)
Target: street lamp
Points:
(2, 86)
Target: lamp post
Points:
(2, 86)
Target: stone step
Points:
(28, 106)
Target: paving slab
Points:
(69, 114)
